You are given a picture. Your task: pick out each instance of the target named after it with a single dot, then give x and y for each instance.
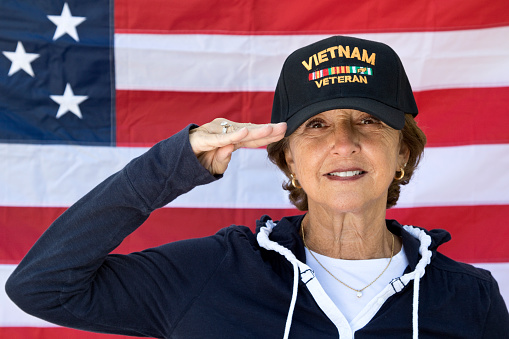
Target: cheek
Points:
(391, 161)
(391, 144)
(293, 154)
(300, 163)
(300, 160)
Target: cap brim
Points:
(389, 115)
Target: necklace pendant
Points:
(359, 294)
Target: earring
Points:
(402, 174)
(294, 181)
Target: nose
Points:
(345, 139)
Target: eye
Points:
(315, 123)
(368, 120)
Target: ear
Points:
(289, 160)
(404, 154)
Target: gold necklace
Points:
(359, 292)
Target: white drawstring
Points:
(425, 253)
(265, 242)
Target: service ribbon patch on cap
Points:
(340, 70)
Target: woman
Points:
(340, 133)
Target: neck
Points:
(352, 236)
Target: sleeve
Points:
(497, 318)
(69, 277)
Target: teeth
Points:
(345, 174)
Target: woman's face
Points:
(345, 160)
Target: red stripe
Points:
(145, 117)
(290, 17)
(53, 333)
(448, 117)
(467, 224)
(479, 233)
(22, 226)
(464, 116)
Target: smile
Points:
(346, 174)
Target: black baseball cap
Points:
(343, 72)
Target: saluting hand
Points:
(214, 142)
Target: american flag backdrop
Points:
(85, 86)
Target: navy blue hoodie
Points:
(234, 284)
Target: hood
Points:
(420, 247)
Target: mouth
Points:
(346, 174)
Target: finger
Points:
(207, 137)
(224, 126)
(263, 135)
(204, 139)
(256, 132)
(238, 135)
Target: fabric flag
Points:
(85, 86)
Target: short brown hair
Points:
(411, 136)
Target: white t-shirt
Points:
(357, 274)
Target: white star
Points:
(69, 102)
(21, 60)
(66, 23)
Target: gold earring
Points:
(294, 181)
(402, 174)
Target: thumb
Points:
(222, 158)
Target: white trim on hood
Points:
(307, 275)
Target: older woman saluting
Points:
(343, 132)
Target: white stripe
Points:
(12, 316)
(46, 176)
(448, 176)
(224, 63)
(459, 176)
